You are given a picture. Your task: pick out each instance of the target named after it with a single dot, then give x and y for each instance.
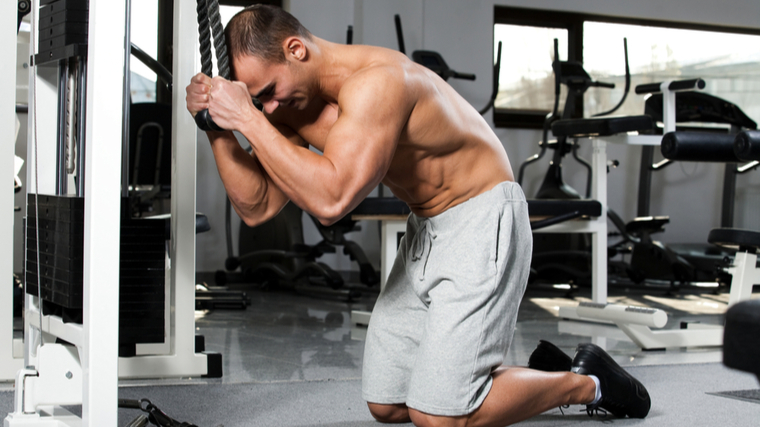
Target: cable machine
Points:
(76, 121)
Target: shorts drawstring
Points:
(422, 239)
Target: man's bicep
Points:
(361, 147)
(370, 126)
(290, 134)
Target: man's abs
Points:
(446, 154)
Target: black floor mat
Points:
(746, 395)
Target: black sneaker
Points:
(547, 357)
(622, 394)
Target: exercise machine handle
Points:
(747, 145)
(205, 122)
(399, 34)
(463, 76)
(677, 85)
(161, 72)
(603, 84)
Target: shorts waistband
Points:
(506, 191)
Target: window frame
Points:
(573, 22)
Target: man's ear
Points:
(295, 48)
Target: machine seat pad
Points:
(548, 207)
(602, 126)
(735, 238)
(646, 223)
(536, 207)
(381, 206)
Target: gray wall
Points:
(462, 30)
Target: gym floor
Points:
(295, 360)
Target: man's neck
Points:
(333, 66)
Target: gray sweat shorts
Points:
(447, 315)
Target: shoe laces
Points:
(592, 410)
(610, 407)
(565, 407)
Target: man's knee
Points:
(421, 419)
(395, 413)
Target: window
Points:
(727, 58)
(527, 86)
(143, 34)
(151, 28)
(728, 62)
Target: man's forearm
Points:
(251, 192)
(310, 180)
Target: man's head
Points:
(260, 31)
(263, 43)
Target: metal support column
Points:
(88, 372)
(182, 360)
(105, 80)
(8, 365)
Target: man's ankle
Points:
(588, 390)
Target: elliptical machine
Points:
(565, 258)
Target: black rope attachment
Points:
(210, 21)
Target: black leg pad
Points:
(741, 337)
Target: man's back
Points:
(445, 153)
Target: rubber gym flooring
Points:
(295, 360)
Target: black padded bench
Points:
(550, 212)
(602, 126)
(381, 206)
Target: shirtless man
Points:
(440, 329)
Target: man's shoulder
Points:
(384, 70)
(379, 79)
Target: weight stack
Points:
(142, 270)
(61, 260)
(62, 30)
(142, 276)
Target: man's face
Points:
(274, 84)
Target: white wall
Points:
(463, 32)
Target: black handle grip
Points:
(648, 88)
(399, 34)
(463, 76)
(674, 86)
(699, 147)
(687, 84)
(603, 84)
(747, 145)
(130, 403)
(205, 122)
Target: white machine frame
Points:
(638, 327)
(11, 351)
(56, 374)
(597, 227)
